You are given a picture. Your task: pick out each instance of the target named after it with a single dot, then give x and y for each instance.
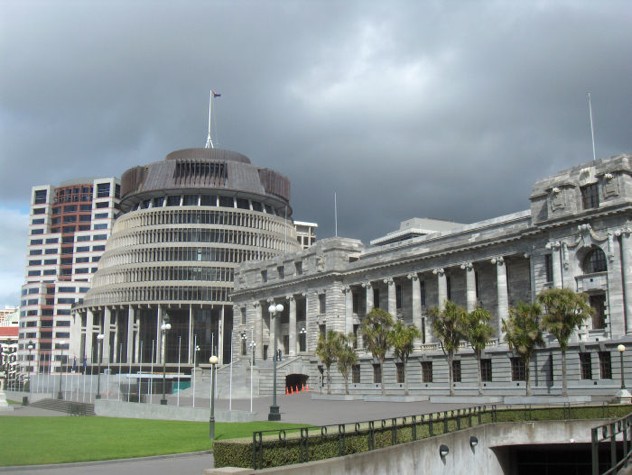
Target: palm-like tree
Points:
(327, 350)
(402, 338)
(346, 357)
(564, 312)
(477, 332)
(523, 334)
(375, 329)
(448, 326)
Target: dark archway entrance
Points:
(296, 383)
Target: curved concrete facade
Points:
(188, 222)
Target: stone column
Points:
(502, 308)
(416, 303)
(89, 333)
(369, 296)
(626, 266)
(107, 315)
(470, 285)
(258, 326)
(292, 329)
(348, 310)
(556, 261)
(392, 299)
(442, 287)
(131, 356)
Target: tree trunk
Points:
(382, 377)
(564, 382)
(328, 381)
(527, 371)
(405, 379)
(450, 374)
(346, 383)
(480, 376)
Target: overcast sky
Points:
(439, 109)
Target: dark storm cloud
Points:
(433, 109)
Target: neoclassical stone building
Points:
(576, 234)
(186, 223)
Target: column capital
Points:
(499, 261)
(256, 304)
(366, 285)
(438, 271)
(413, 276)
(289, 298)
(553, 245)
(346, 289)
(467, 266)
(623, 231)
(389, 281)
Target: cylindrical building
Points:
(187, 223)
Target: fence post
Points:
(371, 441)
(257, 448)
(304, 444)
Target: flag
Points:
(216, 94)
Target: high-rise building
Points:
(69, 226)
(162, 289)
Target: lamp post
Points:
(61, 344)
(253, 346)
(197, 350)
(274, 414)
(29, 347)
(211, 422)
(100, 338)
(621, 349)
(164, 328)
(244, 339)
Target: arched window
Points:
(595, 261)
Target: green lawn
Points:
(45, 440)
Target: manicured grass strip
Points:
(49, 440)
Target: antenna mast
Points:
(209, 140)
(592, 130)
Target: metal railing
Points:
(311, 443)
(618, 432)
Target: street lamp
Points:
(211, 422)
(197, 350)
(165, 327)
(253, 346)
(244, 339)
(621, 349)
(61, 344)
(274, 414)
(100, 338)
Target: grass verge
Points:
(51, 440)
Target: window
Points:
(35, 242)
(52, 241)
(486, 369)
(605, 365)
(548, 267)
(264, 276)
(355, 374)
(322, 303)
(518, 371)
(377, 373)
(598, 304)
(401, 374)
(100, 237)
(83, 238)
(101, 226)
(173, 201)
(590, 196)
(35, 252)
(40, 197)
(585, 365)
(102, 204)
(83, 248)
(103, 190)
(426, 371)
(281, 271)
(398, 296)
(100, 216)
(38, 221)
(298, 266)
(37, 231)
(456, 371)
(98, 248)
(39, 210)
(595, 261)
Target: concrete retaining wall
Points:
(422, 457)
(104, 407)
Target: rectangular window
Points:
(401, 374)
(456, 371)
(398, 296)
(590, 196)
(486, 370)
(355, 374)
(83, 248)
(322, 303)
(35, 242)
(98, 248)
(40, 197)
(39, 210)
(100, 216)
(100, 226)
(298, 266)
(377, 373)
(264, 276)
(518, 372)
(548, 266)
(585, 365)
(376, 298)
(605, 365)
(426, 371)
(38, 221)
(103, 190)
(35, 252)
(281, 272)
(102, 204)
(52, 240)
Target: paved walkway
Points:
(297, 408)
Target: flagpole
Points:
(592, 130)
